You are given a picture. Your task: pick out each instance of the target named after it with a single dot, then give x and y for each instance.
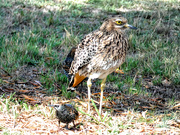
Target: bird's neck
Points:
(108, 32)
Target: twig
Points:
(5, 71)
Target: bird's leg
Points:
(102, 88)
(67, 126)
(73, 123)
(59, 122)
(89, 84)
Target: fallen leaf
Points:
(5, 81)
(24, 91)
(146, 86)
(49, 58)
(166, 82)
(35, 83)
(28, 98)
(176, 106)
(150, 83)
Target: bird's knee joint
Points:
(89, 84)
(102, 85)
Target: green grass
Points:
(39, 33)
(34, 34)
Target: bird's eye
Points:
(118, 22)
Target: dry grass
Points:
(25, 119)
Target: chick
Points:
(66, 113)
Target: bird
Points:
(65, 113)
(99, 54)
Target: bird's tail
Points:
(76, 79)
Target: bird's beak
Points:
(130, 26)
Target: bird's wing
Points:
(70, 109)
(85, 51)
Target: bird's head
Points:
(116, 23)
(57, 107)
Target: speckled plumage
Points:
(66, 113)
(100, 53)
